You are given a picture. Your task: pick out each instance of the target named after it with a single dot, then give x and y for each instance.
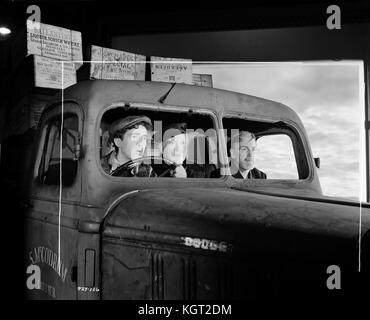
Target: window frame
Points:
(70, 107)
(165, 108)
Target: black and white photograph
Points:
(192, 158)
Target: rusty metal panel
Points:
(264, 252)
(125, 272)
(88, 267)
(41, 249)
(135, 270)
(166, 272)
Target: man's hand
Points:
(180, 172)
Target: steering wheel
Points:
(129, 165)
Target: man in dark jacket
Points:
(242, 146)
(174, 150)
(175, 147)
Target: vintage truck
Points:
(92, 235)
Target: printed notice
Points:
(53, 42)
(48, 73)
(171, 70)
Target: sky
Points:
(327, 98)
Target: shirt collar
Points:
(244, 174)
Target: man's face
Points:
(133, 143)
(175, 149)
(243, 156)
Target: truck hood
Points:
(247, 222)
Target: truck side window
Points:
(275, 157)
(49, 170)
(264, 150)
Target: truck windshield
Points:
(158, 143)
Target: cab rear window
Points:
(59, 150)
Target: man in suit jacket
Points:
(242, 146)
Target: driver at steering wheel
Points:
(129, 137)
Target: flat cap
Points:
(180, 126)
(126, 123)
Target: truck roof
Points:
(101, 93)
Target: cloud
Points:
(326, 97)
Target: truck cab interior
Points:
(201, 140)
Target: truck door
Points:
(51, 219)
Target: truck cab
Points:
(93, 235)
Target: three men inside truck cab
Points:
(133, 153)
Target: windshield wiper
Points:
(167, 93)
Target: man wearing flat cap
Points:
(129, 137)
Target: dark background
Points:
(192, 29)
